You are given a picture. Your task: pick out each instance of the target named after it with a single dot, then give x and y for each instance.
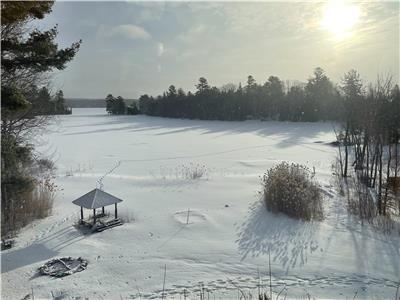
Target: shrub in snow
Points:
(191, 171)
(290, 189)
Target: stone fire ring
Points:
(64, 266)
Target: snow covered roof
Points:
(95, 199)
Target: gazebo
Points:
(96, 199)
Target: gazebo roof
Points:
(95, 199)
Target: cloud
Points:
(152, 14)
(160, 49)
(272, 18)
(196, 33)
(126, 30)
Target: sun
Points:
(340, 18)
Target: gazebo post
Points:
(81, 213)
(102, 210)
(94, 216)
(116, 211)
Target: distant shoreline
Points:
(89, 102)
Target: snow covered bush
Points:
(291, 189)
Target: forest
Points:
(272, 100)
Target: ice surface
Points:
(229, 233)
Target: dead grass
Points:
(34, 204)
(291, 189)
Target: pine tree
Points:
(26, 54)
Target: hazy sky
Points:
(132, 48)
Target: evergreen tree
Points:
(251, 84)
(202, 86)
(133, 109)
(115, 106)
(181, 93)
(172, 91)
(320, 97)
(59, 104)
(110, 103)
(274, 95)
(26, 54)
(295, 101)
(42, 104)
(120, 106)
(144, 105)
(352, 90)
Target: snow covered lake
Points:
(225, 244)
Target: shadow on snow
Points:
(41, 249)
(289, 241)
(286, 133)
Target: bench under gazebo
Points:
(94, 200)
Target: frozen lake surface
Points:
(225, 244)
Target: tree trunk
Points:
(346, 152)
(396, 157)
(387, 178)
(380, 203)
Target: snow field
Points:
(229, 234)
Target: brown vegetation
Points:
(290, 189)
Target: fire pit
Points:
(64, 266)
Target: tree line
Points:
(44, 103)
(273, 100)
(117, 106)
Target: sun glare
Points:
(339, 18)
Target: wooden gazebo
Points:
(97, 199)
